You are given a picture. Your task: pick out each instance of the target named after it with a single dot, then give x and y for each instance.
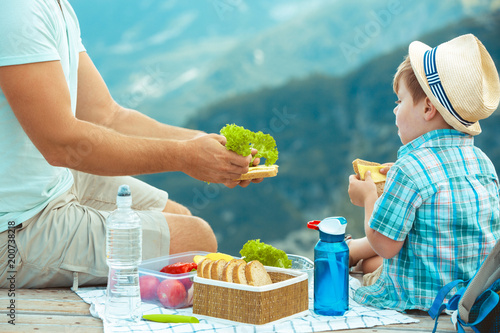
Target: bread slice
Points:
(217, 268)
(239, 273)
(260, 171)
(359, 161)
(207, 269)
(227, 272)
(360, 167)
(256, 274)
(201, 267)
(236, 271)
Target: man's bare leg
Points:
(187, 232)
(176, 208)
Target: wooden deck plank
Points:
(59, 320)
(46, 301)
(52, 293)
(49, 328)
(426, 324)
(61, 310)
(48, 306)
(53, 323)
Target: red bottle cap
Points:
(313, 224)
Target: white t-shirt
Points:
(33, 31)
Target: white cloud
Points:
(289, 10)
(123, 48)
(174, 29)
(258, 56)
(168, 5)
(182, 79)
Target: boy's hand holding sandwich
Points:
(368, 182)
(362, 192)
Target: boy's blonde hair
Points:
(405, 72)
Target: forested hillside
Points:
(320, 125)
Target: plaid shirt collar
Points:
(437, 138)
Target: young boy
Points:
(438, 217)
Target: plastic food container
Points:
(171, 291)
(305, 265)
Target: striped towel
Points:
(357, 317)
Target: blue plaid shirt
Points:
(442, 198)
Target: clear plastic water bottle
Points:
(123, 256)
(331, 267)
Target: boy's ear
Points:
(430, 110)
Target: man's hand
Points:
(207, 159)
(216, 164)
(362, 192)
(245, 183)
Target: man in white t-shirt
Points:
(62, 136)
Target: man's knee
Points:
(190, 233)
(173, 207)
(209, 239)
(185, 211)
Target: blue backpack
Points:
(477, 304)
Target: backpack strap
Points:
(453, 302)
(438, 305)
(488, 273)
(487, 306)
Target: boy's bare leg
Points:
(360, 249)
(371, 264)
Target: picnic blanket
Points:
(357, 317)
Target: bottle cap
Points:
(333, 225)
(124, 191)
(124, 196)
(313, 224)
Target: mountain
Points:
(321, 123)
(170, 58)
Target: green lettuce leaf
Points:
(267, 254)
(241, 141)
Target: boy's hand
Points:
(386, 168)
(362, 192)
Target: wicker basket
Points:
(285, 297)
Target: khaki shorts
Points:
(69, 235)
(370, 278)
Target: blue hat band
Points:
(434, 81)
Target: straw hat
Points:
(460, 79)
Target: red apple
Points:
(171, 293)
(190, 295)
(186, 282)
(148, 285)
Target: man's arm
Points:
(95, 105)
(39, 97)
